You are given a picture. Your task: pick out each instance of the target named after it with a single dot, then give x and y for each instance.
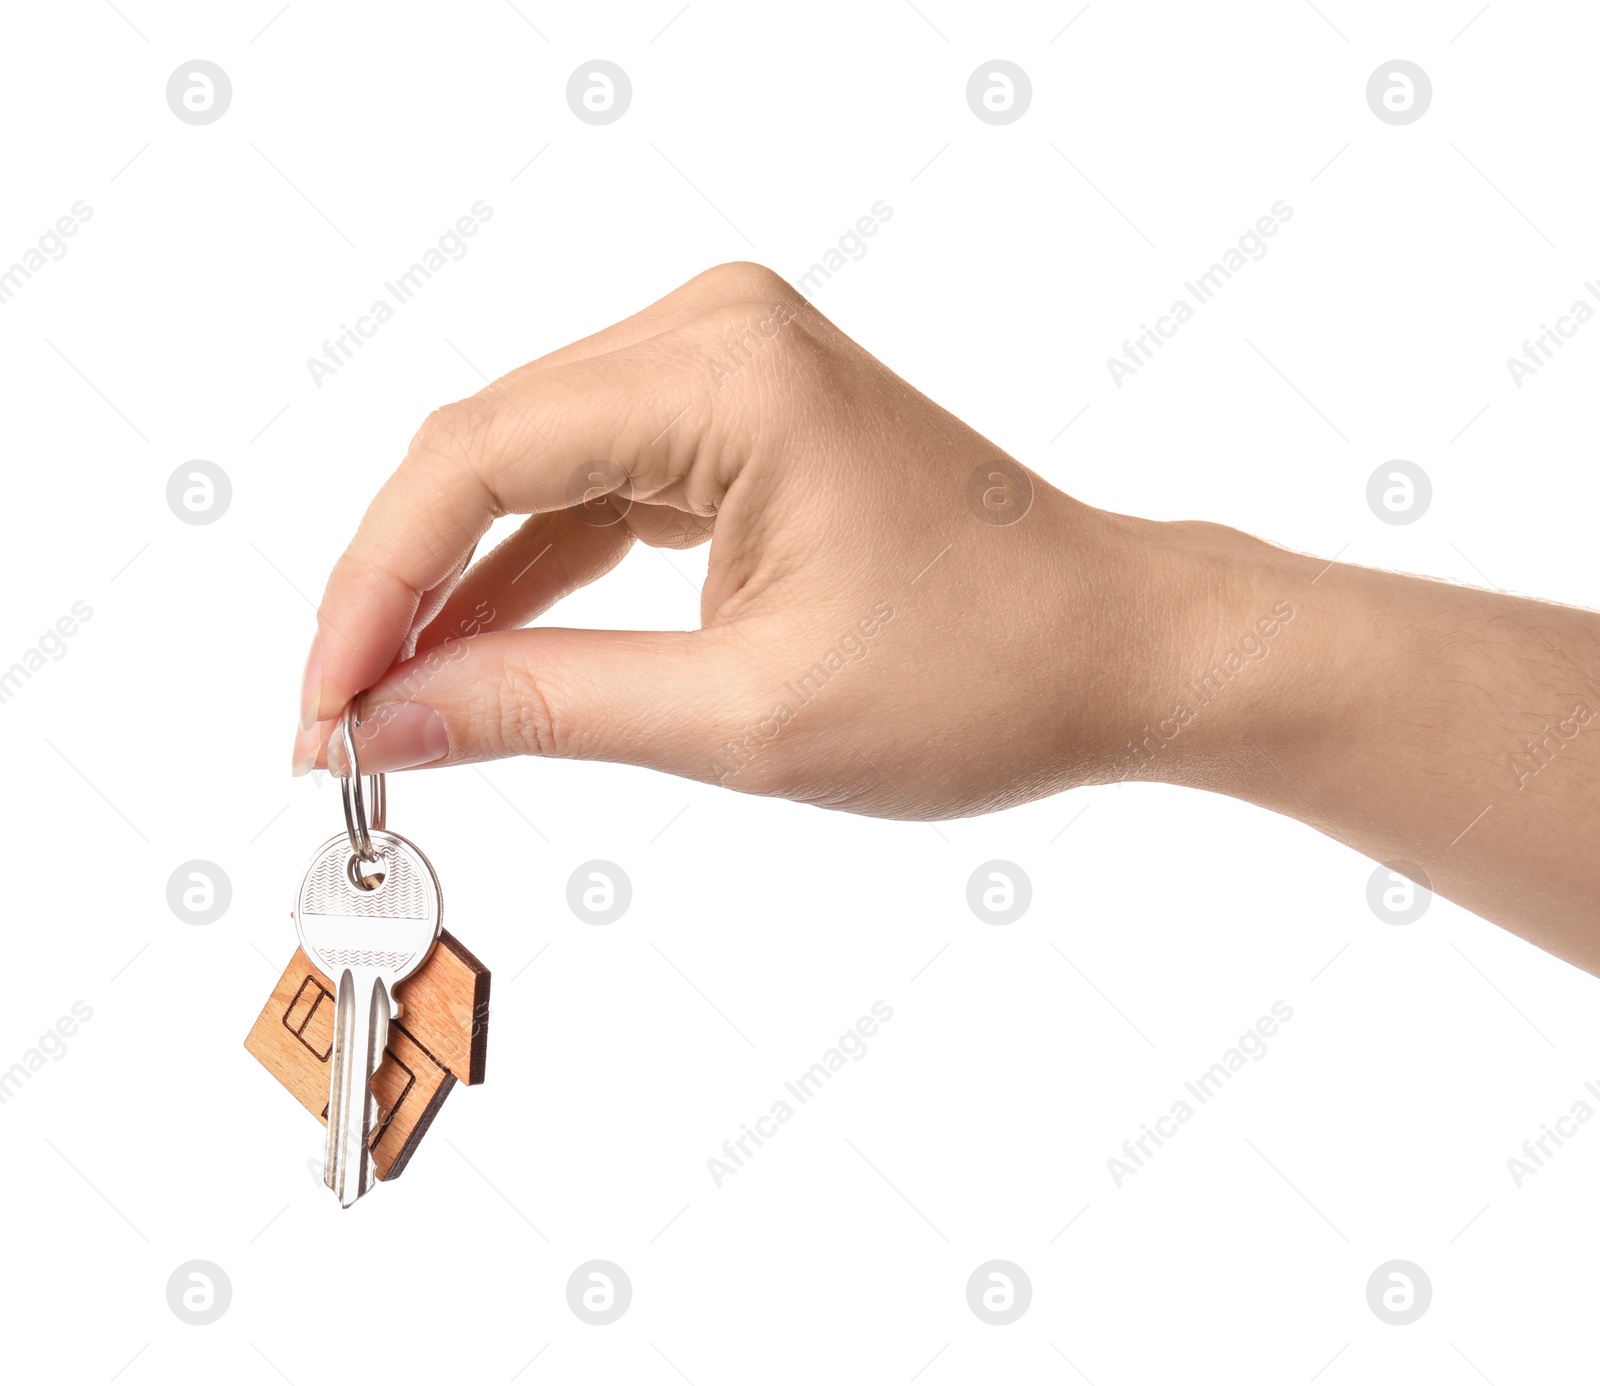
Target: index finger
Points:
(522, 446)
(529, 443)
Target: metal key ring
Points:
(355, 812)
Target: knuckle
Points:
(760, 340)
(797, 353)
(740, 280)
(526, 719)
(454, 432)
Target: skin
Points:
(986, 647)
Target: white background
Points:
(1163, 922)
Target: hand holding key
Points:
(901, 620)
(861, 540)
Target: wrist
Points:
(1219, 681)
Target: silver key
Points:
(366, 942)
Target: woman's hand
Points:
(898, 618)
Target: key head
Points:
(388, 930)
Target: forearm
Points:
(1454, 729)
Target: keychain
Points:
(380, 1012)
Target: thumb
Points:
(650, 698)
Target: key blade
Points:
(361, 1029)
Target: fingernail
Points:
(311, 685)
(307, 741)
(403, 736)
